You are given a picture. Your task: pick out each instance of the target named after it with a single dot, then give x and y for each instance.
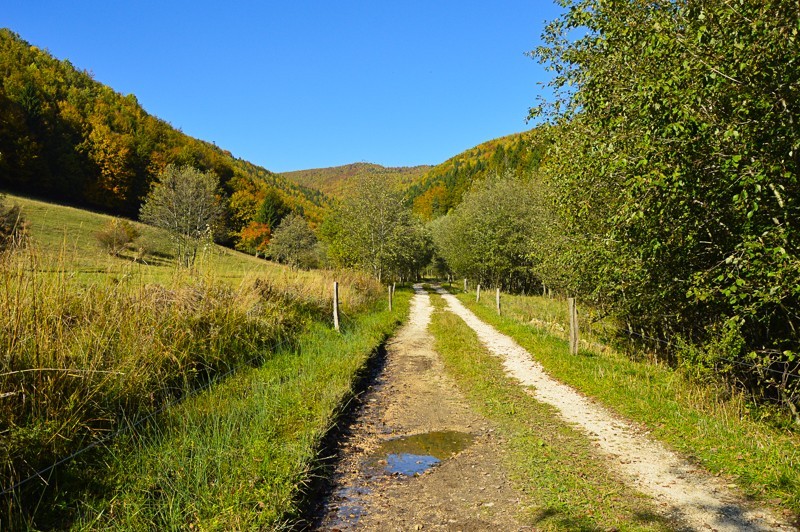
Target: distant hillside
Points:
(67, 137)
(336, 181)
(443, 186)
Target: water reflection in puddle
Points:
(410, 455)
(409, 464)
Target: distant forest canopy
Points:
(433, 191)
(338, 181)
(443, 187)
(66, 137)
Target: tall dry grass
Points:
(79, 359)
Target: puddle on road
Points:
(409, 455)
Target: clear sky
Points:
(303, 84)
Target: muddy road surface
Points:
(417, 457)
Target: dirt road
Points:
(419, 458)
(382, 486)
(686, 493)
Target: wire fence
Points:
(127, 427)
(670, 342)
(562, 328)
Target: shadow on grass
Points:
(48, 502)
(151, 258)
(319, 492)
(565, 522)
(556, 517)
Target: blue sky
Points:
(300, 84)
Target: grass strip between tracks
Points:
(707, 423)
(567, 485)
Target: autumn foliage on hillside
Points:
(341, 181)
(67, 137)
(442, 188)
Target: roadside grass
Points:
(567, 485)
(708, 423)
(240, 456)
(91, 343)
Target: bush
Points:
(294, 242)
(116, 235)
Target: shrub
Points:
(116, 235)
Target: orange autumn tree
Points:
(254, 238)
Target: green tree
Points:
(272, 209)
(370, 230)
(488, 237)
(678, 161)
(185, 202)
(294, 243)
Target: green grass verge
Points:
(66, 235)
(239, 456)
(94, 342)
(707, 423)
(567, 485)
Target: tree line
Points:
(668, 196)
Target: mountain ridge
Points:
(337, 181)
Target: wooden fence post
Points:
(498, 301)
(574, 338)
(336, 305)
(465, 285)
(478, 294)
(391, 294)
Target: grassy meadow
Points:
(93, 344)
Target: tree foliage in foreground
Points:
(185, 202)
(677, 171)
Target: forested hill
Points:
(65, 136)
(337, 181)
(442, 187)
